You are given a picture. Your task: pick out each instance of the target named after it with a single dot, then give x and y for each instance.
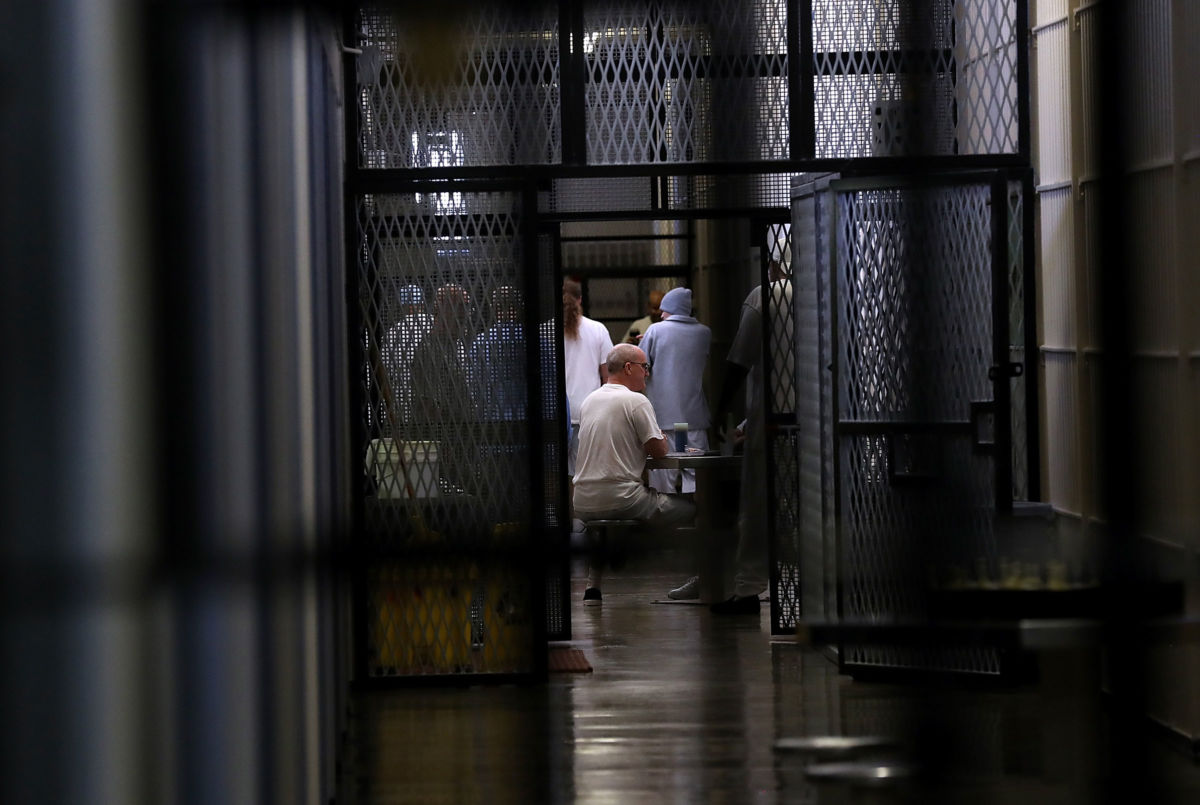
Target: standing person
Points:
(499, 377)
(400, 346)
(678, 350)
(745, 358)
(443, 407)
(638, 328)
(497, 360)
(618, 429)
(586, 345)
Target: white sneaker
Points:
(687, 591)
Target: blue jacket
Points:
(678, 351)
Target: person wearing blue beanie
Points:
(677, 302)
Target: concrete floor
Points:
(683, 706)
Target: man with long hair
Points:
(586, 344)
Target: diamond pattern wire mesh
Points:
(479, 87)
(896, 78)
(448, 434)
(784, 472)
(985, 97)
(781, 321)
(914, 326)
(782, 397)
(680, 82)
(447, 617)
(686, 81)
(899, 324)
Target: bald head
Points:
(622, 353)
(626, 365)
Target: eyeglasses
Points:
(645, 366)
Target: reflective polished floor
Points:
(683, 706)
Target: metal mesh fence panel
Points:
(686, 82)
(987, 110)
(915, 302)
(448, 433)
(683, 82)
(899, 78)
(914, 346)
(781, 398)
(480, 87)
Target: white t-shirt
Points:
(615, 424)
(582, 357)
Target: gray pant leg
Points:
(751, 576)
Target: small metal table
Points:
(708, 466)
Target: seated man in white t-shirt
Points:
(617, 430)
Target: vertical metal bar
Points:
(1023, 82)
(573, 78)
(802, 121)
(1120, 415)
(1033, 469)
(562, 423)
(759, 234)
(835, 420)
(535, 555)
(1002, 385)
(357, 356)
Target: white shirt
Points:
(615, 424)
(582, 357)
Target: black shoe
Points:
(592, 597)
(736, 605)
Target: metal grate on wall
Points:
(449, 447)
(480, 86)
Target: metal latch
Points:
(1010, 369)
